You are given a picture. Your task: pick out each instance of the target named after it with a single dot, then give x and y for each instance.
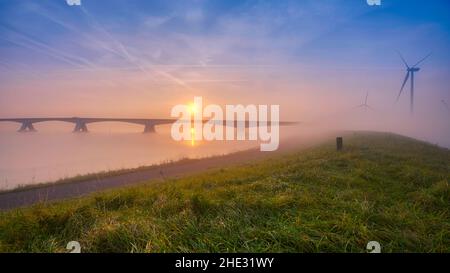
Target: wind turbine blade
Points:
(367, 95)
(403, 85)
(446, 105)
(422, 60)
(403, 59)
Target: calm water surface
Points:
(48, 155)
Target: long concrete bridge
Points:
(27, 124)
(81, 123)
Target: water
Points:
(53, 153)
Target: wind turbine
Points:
(365, 105)
(445, 105)
(410, 70)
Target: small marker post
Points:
(339, 143)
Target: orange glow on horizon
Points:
(192, 136)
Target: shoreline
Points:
(109, 173)
(85, 184)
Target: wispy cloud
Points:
(307, 49)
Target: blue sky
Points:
(132, 56)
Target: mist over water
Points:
(51, 153)
(54, 152)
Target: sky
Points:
(317, 59)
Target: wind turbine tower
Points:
(446, 105)
(410, 70)
(365, 105)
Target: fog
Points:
(317, 60)
(54, 152)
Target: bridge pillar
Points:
(27, 126)
(80, 127)
(149, 128)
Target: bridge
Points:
(27, 124)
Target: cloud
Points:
(155, 21)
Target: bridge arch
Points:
(81, 123)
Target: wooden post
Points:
(339, 143)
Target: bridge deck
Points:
(91, 120)
(81, 123)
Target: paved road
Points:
(26, 197)
(49, 193)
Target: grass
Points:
(382, 187)
(103, 174)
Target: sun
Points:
(193, 108)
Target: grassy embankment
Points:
(382, 187)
